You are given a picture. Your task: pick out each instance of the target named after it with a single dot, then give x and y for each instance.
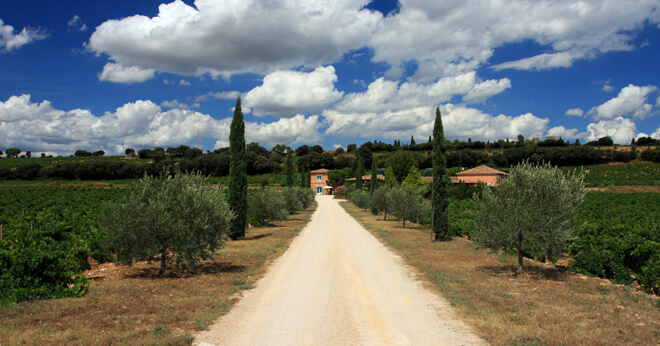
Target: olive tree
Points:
(408, 204)
(530, 211)
(291, 199)
(306, 196)
(180, 218)
(379, 200)
(360, 198)
(265, 205)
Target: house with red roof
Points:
(474, 176)
(319, 182)
(481, 174)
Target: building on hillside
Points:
(319, 182)
(379, 177)
(481, 174)
(474, 176)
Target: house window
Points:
(319, 190)
(319, 178)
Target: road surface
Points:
(338, 285)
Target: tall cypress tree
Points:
(309, 178)
(412, 141)
(288, 168)
(373, 186)
(303, 177)
(440, 200)
(358, 172)
(237, 174)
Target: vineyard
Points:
(619, 238)
(47, 236)
(639, 174)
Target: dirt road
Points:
(338, 285)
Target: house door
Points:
(319, 190)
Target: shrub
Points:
(306, 196)
(266, 205)
(652, 155)
(291, 200)
(360, 199)
(461, 218)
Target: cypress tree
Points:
(303, 177)
(358, 173)
(412, 141)
(288, 168)
(309, 179)
(237, 174)
(373, 185)
(440, 201)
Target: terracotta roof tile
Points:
(481, 170)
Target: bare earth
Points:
(338, 285)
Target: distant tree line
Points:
(260, 160)
(86, 170)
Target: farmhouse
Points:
(319, 182)
(481, 174)
(474, 176)
(379, 177)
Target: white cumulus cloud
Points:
(564, 133)
(451, 37)
(287, 93)
(117, 73)
(223, 38)
(485, 90)
(385, 95)
(620, 129)
(459, 122)
(43, 128)
(656, 134)
(287, 131)
(631, 102)
(578, 112)
(10, 40)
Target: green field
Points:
(639, 174)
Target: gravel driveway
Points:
(338, 285)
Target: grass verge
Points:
(133, 305)
(544, 306)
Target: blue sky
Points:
(109, 75)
